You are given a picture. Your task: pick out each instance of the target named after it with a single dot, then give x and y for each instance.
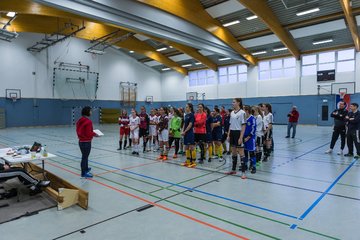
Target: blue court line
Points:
(294, 226)
(326, 191)
(190, 189)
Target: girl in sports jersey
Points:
(175, 131)
(268, 132)
(259, 132)
(200, 130)
(153, 121)
(217, 133)
(249, 142)
(163, 133)
(189, 138)
(226, 127)
(182, 115)
(124, 129)
(134, 131)
(209, 144)
(236, 133)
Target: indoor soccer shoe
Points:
(231, 173)
(243, 176)
(185, 164)
(192, 165)
(160, 157)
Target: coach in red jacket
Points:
(85, 133)
(293, 121)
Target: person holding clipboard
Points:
(85, 133)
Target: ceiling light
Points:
(224, 59)
(198, 63)
(280, 49)
(308, 11)
(251, 17)
(161, 49)
(11, 14)
(187, 65)
(258, 53)
(323, 41)
(171, 47)
(166, 69)
(131, 51)
(231, 23)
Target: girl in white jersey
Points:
(236, 133)
(259, 132)
(134, 131)
(154, 120)
(268, 124)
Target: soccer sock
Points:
(243, 161)
(202, 151)
(193, 155)
(234, 162)
(188, 156)
(210, 150)
(125, 142)
(130, 142)
(120, 144)
(220, 151)
(253, 159)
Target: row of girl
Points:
(248, 130)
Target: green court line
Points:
(166, 188)
(206, 200)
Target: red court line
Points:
(127, 168)
(156, 205)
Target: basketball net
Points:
(342, 95)
(13, 99)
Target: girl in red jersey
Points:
(124, 129)
(200, 130)
(163, 133)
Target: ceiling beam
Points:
(305, 23)
(38, 18)
(351, 21)
(193, 12)
(264, 12)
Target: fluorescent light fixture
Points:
(131, 51)
(231, 23)
(308, 11)
(187, 65)
(198, 63)
(161, 49)
(322, 41)
(224, 59)
(166, 69)
(171, 47)
(11, 14)
(252, 17)
(259, 53)
(280, 49)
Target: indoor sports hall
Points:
(182, 119)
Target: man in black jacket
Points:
(353, 123)
(339, 116)
(7, 172)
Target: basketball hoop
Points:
(191, 98)
(13, 98)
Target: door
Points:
(280, 112)
(324, 110)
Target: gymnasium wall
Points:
(17, 67)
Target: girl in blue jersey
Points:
(189, 137)
(249, 141)
(217, 133)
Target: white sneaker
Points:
(329, 151)
(341, 152)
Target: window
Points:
(278, 68)
(233, 74)
(201, 78)
(341, 61)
